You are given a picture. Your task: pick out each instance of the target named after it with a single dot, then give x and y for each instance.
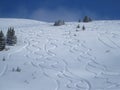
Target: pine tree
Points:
(18, 69)
(59, 23)
(87, 19)
(78, 26)
(11, 38)
(83, 28)
(2, 41)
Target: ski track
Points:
(107, 36)
(74, 82)
(49, 50)
(72, 77)
(4, 70)
(92, 66)
(104, 71)
(8, 56)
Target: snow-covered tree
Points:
(11, 38)
(59, 23)
(87, 19)
(2, 41)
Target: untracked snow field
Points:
(61, 57)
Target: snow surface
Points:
(61, 58)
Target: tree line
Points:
(10, 38)
(61, 22)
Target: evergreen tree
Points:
(2, 41)
(18, 69)
(83, 28)
(78, 26)
(11, 38)
(59, 23)
(87, 19)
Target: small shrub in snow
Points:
(77, 30)
(3, 59)
(83, 28)
(16, 70)
(78, 26)
(26, 82)
(75, 35)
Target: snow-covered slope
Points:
(61, 58)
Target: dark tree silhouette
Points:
(87, 19)
(83, 28)
(2, 41)
(78, 26)
(59, 23)
(11, 38)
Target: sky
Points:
(51, 10)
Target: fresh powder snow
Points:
(61, 57)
